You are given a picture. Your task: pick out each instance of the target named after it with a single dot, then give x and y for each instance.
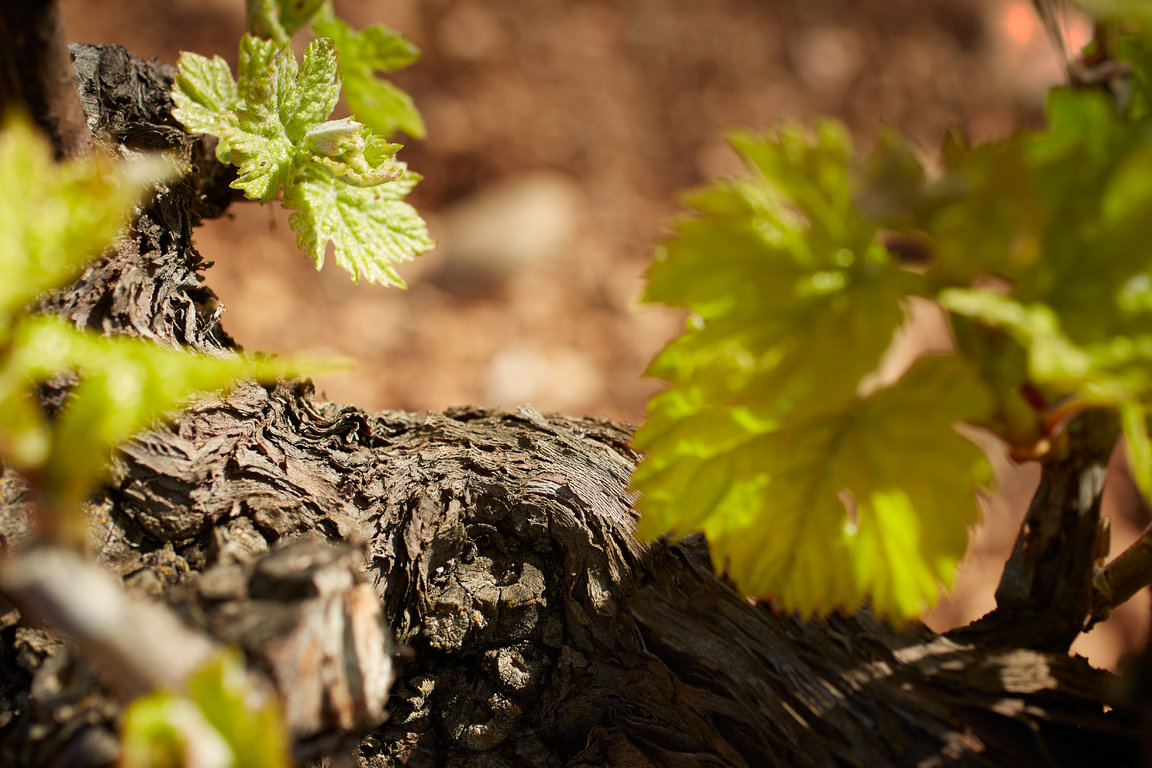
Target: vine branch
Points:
(1123, 577)
(1046, 592)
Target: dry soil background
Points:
(560, 134)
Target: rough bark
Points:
(1044, 599)
(534, 628)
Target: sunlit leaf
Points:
(363, 54)
(57, 217)
(371, 227)
(869, 502)
(205, 95)
(340, 177)
(763, 439)
(124, 385)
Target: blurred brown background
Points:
(560, 135)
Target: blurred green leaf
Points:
(125, 384)
(294, 14)
(763, 439)
(250, 722)
(56, 217)
(167, 731)
(221, 722)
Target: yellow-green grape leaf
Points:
(868, 502)
(221, 722)
(125, 384)
(762, 438)
(164, 730)
(57, 217)
(793, 299)
(340, 178)
(254, 63)
(277, 111)
(371, 227)
(375, 102)
(251, 722)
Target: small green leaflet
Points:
(223, 721)
(363, 222)
(377, 103)
(205, 95)
(810, 493)
(341, 179)
(278, 20)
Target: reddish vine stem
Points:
(36, 73)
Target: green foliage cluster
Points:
(340, 177)
(821, 485)
(55, 218)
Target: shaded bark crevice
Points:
(498, 547)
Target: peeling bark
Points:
(498, 547)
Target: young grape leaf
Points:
(785, 278)
(371, 227)
(340, 178)
(205, 96)
(268, 134)
(376, 102)
(255, 63)
(763, 439)
(55, 218)
(278, 20)
(870, 501)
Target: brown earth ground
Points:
(560, 135)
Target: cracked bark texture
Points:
(533, 628)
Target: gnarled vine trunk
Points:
(532, 628)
